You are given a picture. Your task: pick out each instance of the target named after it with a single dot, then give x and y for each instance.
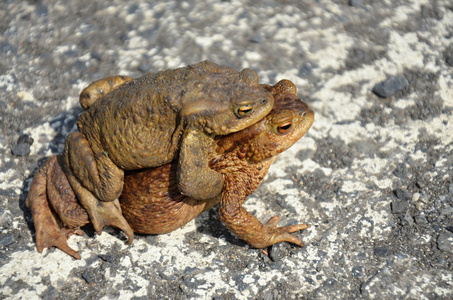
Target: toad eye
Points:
(284, 128)
(244, 110)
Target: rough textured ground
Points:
(373, 176)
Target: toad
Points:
(148, 122)
(151, 201)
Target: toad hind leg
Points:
(246, 227)
(48, 231)
(97, 189)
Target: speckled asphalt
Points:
(373, 176)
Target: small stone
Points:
(447, 210)
(266, 259)
(277, 252)
(357, 271)
(449, 60)
(256, 39)
(5, 219)
(358, 3)
(421, 182)
(399, 207)
(403, 194)
(407, 219)
(22, 149)
(421, 220)
(401, 258)
(87, 277)
(268, 296)
(107, 257)
(191, 271)
(144, 67)
(445, 242)
(25, 139)
(390, 86)
(400, 171)
(7, 240)
(96, 55)
(382, 251)
(133, 9)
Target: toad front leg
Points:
(246, 227)
(97, 182)
(195, 178)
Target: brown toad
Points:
(151, 201)
(148, 121)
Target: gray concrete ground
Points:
(373, 176)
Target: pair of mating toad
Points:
(154, 152)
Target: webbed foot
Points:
(283, 234)
(102, 213)
(48, 231)
(48, 234)
(246, 227)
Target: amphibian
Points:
(148, 122)
(151, 201)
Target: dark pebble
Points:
(144, 68)
(96, 55)
(256, 39)
(445, 242)
(421, 182)
(306, 69)
(25, 139)
(403, 194)
(191, 271)
(357, 272)
(449, 60)
(277, 252)
(5, 219)
(358, 3)
(133, 8)
(400, 171)
(266, 259)
(329, 283)
(421, 220)
(87, 277)
(7, 240)
(309, 280)
(399, 207)
(382, 251)
(107, 257)
(390, 86)
(407, 219)
(22, 149)
(240, 284)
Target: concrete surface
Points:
(373, 176)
